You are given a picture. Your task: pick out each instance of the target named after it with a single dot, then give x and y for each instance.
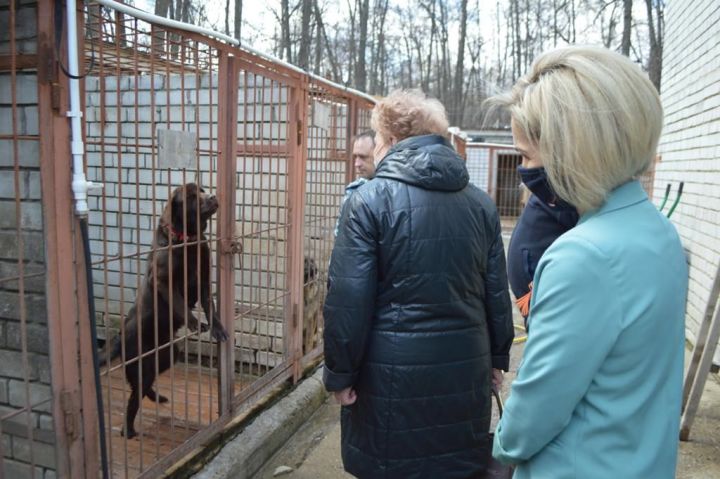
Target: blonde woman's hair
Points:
(594, 116)
(406, 113)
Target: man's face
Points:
(362, 155)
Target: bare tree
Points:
(303, 60)
(656, 26)
(353, 46)
(328, 49)
(227, 17)
(238, 18)
(627, 27)
(285, 49)
(517, 46)
(608, 27)
(363, 7)
(379, 50)
(457, 111)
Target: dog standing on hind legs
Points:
(179, 246)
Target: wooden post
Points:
(297, 140)
(703, 352)
(227, 140)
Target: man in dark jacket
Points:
(418, 310)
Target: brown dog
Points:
(170, 290)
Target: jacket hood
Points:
(426, 161)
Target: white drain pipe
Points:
(80, 185)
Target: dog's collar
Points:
(179, 235)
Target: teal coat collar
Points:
(625, 195)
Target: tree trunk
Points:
(227, 17)
(409, 61)
(458, 100)
(555, 24)
(627, 27)
(303, 60)
(433, 30)
(379, 57)
(526, 56)
(518, 45)
(445, 68)
(285, 31)
(360, 70)
(656, 30)
(160, 34)
(353, 46)
(335, 74)
(238, 18)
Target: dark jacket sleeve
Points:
(350, 304)
(498, 308)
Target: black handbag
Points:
(495, 468)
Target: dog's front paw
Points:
(218, 331)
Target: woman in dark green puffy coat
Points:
(418, 321)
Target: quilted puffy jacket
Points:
(417, 312)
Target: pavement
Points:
(299, 436)
(313, 452)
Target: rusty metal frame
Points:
(72, 382)
(74, 409)
(298, 143)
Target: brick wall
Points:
(21, 223)
(690, 145)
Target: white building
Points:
(690, 145)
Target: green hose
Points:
(667, 194)
(677, 200)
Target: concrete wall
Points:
(690, 145)
(23, 227)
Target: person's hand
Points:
(346, 397)
(497, 378)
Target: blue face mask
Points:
(536, 180)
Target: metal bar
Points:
(198, 439)
(17, 62)
(88, 381)
(272, 378)
(62, 306)
(20, 247)
(106, 305)
(351, 132)
(299, 128)
(121, 251)
(227, 139)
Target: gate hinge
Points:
(299, 132)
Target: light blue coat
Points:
(599, 389)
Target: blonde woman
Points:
(418, 312)
(598, 392)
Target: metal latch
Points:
(71, 416)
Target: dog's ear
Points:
(177, 202)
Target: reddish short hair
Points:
(406, 113)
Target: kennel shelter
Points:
(163, 104)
